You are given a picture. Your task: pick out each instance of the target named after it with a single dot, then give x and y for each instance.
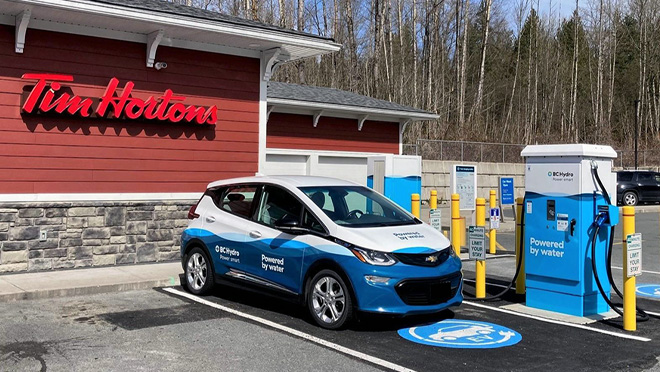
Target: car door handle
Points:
(210, 219)
(255, 234)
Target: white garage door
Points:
(279, 164)
(348, 166)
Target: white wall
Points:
(435, 176)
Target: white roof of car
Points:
(293, 181)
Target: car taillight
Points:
(192, 212)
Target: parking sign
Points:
(476, 239)
(495, 218)
(507, 191)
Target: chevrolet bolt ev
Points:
(332, 245)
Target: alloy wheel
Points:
(196, 271)
(329, 300)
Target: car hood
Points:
(420, 238)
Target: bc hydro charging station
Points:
(567, 190)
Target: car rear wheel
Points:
(329, 300)
(198, 272)
(630, 198)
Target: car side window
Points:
(216, 195)
(624, 176)
(277, 204)
(238, 200)
(311, 222)
(657, 178)
(644, 177)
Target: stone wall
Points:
(45, 236)
(435, 176)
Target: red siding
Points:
(41, 154)
(289, 131)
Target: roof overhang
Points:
(139, 25)
(344, 111)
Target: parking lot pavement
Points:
(159, 330)
(169, 329)
(151, 331)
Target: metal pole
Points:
(461, 151)
(629, 298)
(480, 265)
(520, 281)
(636, 129)
(455, 224)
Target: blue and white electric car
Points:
(334, 245)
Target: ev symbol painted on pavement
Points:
(462, 334)
(649, 290)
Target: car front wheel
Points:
(329, 300)
(630, 198)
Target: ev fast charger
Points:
(562, 199)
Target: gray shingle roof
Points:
(333, 96)
(164, 6)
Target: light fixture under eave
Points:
(254, 45)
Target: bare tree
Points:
(476, 108)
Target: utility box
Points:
(395, 176)
(562, 200)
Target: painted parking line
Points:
(497, 244)
(491, 256)
(513, 287)
(305, 336)
(580, 326)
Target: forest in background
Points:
(494, 70)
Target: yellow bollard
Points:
(433, 202)
(629, 299)
(455, 224)
(414, 205)
(520, 281)
(480, 265)
(461, 231)
(492, 237)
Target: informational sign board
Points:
(507, 194)
(495, 218)
(464, 183)
(435, 219)
(634, 244)
(476, 242)
(562, 222)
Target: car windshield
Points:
(357, 206)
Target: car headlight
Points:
(452, 251)
(373, 257)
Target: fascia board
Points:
(159, 18)
(350, 109)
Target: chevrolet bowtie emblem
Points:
(431, 259)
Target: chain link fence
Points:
(508, 153)
(465, 151)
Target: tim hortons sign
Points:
(47, 96)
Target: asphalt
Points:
(110, 319)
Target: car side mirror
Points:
(290, 225)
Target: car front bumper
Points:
(409, 289)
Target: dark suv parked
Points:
(635, 187)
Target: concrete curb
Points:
(85, 291)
